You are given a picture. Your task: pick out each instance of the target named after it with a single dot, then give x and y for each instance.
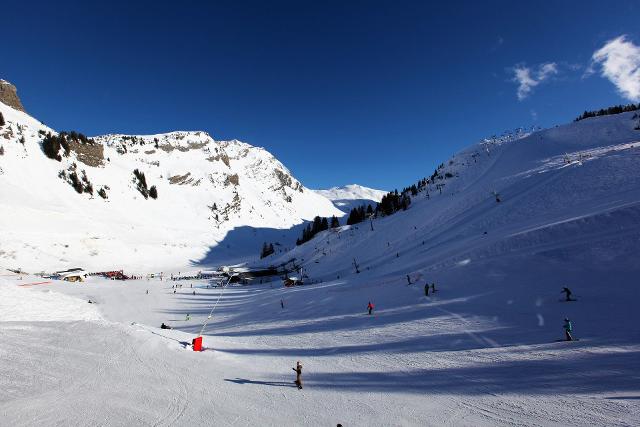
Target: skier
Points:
(567, 292)
(426, 289)
(298, 371)
(163, 326)
(370, 307)
(147, 291)
(194, 292)
(433, 287)
(568, 328)
(174, 291)
(408, 279)
(188, 317)
(282, 303)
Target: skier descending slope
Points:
(370, 307)
(568, 328)
(426, 290)
(567, 292)
(298, 371)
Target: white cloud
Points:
(619, 61)
(527, 78)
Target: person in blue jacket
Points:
(568, 328)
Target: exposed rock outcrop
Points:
(9, 95)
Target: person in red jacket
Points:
(370, 307)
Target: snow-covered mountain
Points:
(352, 192)
(350, 196)
(205, 188)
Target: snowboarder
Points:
(567, 292)
(568, 328)
(163, 326)
(426, 289)
(194, 292)
(174, 291)
(298, 371)
(282, 303)
(370, 307)
(433, 288)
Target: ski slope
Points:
(484, 350)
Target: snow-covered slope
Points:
(205, 189)
(572, 185)
(484, 350)
(350, 196)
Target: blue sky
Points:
(375, 93)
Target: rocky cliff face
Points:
(9, 95)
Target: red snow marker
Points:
(197, 344)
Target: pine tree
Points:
(75, 182)
(317, 226)
(88, 188)
(335, 222)
(142, 183)
(352, 219)
(51, 147)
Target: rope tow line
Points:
(224, 288)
